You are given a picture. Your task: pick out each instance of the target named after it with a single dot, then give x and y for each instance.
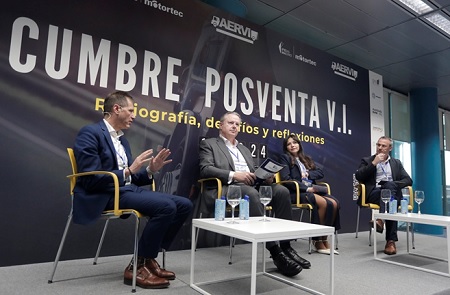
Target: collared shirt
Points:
(238, 159)
(384, 171)
(121, 156)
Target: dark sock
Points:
(285, 245)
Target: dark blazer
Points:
(215, 161)
(94, 150)
(294, 173)
(367, 173)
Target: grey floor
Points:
(356, 272)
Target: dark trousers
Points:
(375, 198)
(166, 213)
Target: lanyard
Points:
(123, 155)
(384, 171)
(302, 166)
(123, 160)
(235, 155)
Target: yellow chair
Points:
(359, 191)
(108, 215)
(304, 206)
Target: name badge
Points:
(241, 167)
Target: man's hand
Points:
(380, 157)
(269, 180)
(245, 177)
(140, 160)
(160, 160)
(154, 163)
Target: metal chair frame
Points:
(108, 215)
(305, 206)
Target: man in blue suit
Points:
(102, 146)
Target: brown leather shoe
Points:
(155, 269)
(380, 225)
(390, 248)
(144, 277)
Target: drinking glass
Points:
(419, 198)
(233, 198)
(265, 196)
(405, 194)
(385, 197)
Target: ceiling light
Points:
(440, 21)
(418, 6)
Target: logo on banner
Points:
(344, 71)
(376, 111)
(286, 51)
(375, 96)
(162, 7)
(235, 30)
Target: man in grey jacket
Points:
(224, 158)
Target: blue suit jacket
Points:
(94, 150)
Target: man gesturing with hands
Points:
(103, 146)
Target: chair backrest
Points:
(359, 191)
(73, 162)
(277, 177)
(411, 198)
(356, 188)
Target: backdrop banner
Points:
(185, 63)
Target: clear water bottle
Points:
(404, 206)
(244, 208)
(219, 210)
(393, 205)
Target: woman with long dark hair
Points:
(301, 168)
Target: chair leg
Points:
(100, 244)
(357, 221)
(232, 240)
(372, 229)
(412, 236)
(336, 241)
(61, 245)
(309, 240)
(135, 253)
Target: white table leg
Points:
(194, 229)
(332, 265)
(264, 257)
(253, 275)
(448, 248)
(408, 228)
